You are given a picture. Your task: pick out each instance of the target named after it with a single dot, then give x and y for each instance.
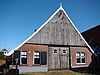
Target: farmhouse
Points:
(57, 44)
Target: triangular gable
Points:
(33, 37)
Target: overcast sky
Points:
(19, 18)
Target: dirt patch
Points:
(2, 62)
(63, 72)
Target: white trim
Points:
(79, 66)
(60, 8)
(80, 63)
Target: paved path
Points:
(32, 69)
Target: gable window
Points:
(80, 57)
(24, 57)
(55, 51)
(64, 51)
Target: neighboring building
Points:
(57, 44)
(5, 51)
(92, 36)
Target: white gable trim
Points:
(61, 8)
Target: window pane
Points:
(36, 56)
(36, 53)
(78, 60)
(24, 60)
(77, 54)
(23, 56)
(23, 53)
(82, 54)
(36, 61)
(83, 60)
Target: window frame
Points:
(55, 51)
(64, 51)
(36, 56)
(80, 57)
(24, 56)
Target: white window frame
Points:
(23, 55)
(80, 56)
(54, 51)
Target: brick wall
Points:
(80, 49)
(30, 48)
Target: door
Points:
(64, 58)
(58, 58)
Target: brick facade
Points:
(30, 48)
(80, 49)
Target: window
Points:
(40, 58)
(24, 57)
(55, 51)
(36, 57)
(64, 51)
(80, 57)
(83, 57)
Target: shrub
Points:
(2, 56)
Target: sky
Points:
(19, 18)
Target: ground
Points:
(63, 72)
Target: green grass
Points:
(63, 72)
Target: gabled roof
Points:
(4, 50)
(60, 8)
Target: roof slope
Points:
(92, 36)
(4, 49)
(58, 30)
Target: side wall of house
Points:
(88, 57)
(30, 48)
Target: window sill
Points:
(36, 65)
(80, 63)
(24, 65)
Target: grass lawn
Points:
(63, 72)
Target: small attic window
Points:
(55, 51)
(64, 51)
